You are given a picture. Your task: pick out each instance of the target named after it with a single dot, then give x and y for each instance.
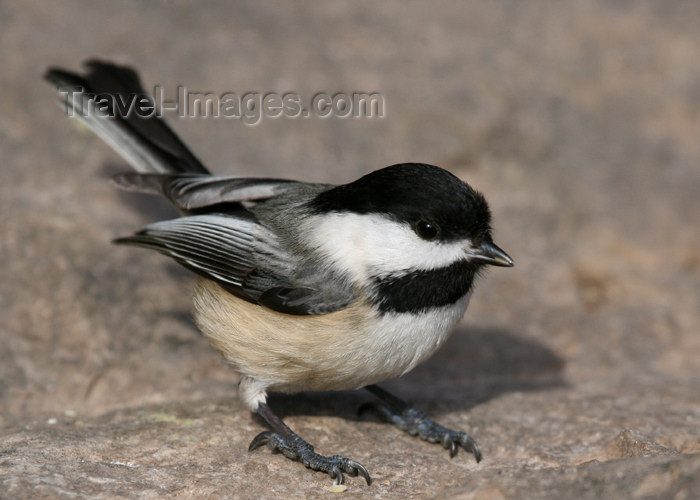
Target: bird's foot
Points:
(417, 423)
(295, 448)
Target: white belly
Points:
(342, 350)
(398, 342)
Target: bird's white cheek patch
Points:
(371, 244)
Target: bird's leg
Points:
(284, 440)
(417, 423)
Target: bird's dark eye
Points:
(426, 230)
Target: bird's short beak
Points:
(488, 253)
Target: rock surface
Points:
(578, 371)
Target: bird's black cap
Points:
(411, 193)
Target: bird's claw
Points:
(299, 450)
(260, 440)
(419, 424)
(453, 440)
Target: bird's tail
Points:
(111, 101)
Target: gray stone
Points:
(577, 371)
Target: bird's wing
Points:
(194, 191)
(245, 258)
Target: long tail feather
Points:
(147, 143)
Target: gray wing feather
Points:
(223, 248)
(192, 191)
(247, 259)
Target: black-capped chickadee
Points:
(304, 286)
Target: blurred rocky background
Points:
(577, 371)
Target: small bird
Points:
(303, 286)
